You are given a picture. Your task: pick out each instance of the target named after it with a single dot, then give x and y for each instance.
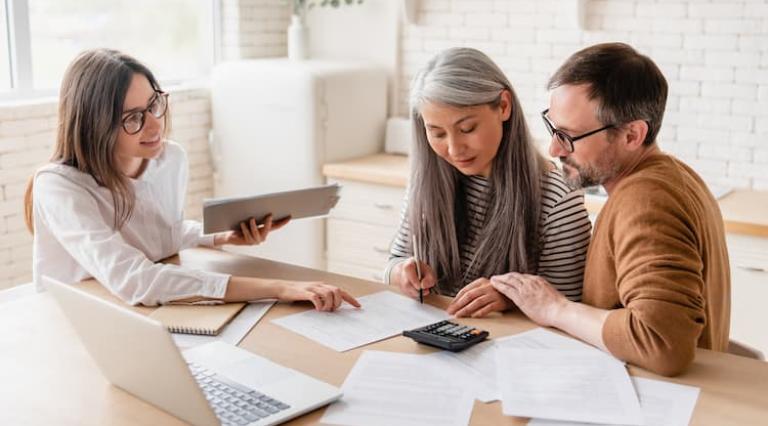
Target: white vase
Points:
(298, 48)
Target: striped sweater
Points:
(564, 233)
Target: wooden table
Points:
(47, 377)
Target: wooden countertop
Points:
(744, 211)
(382, 169)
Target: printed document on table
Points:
(388, 388)
(383, 314)
(233, 332)
(541, 338)
(565, 384)
(474, 367)
(663, 404)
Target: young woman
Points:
(109, 205)
(482, 200)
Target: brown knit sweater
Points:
(658, 259)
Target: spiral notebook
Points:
(182, 318)
(197, 319)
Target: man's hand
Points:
(535, 297)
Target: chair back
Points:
(741, 349)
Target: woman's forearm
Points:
(242, 289)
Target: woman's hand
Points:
(251, 232)
(325, 297)
(405, 276)
(478, 299)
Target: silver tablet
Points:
(225, 214)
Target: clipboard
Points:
(226, 214)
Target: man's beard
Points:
(586, 175)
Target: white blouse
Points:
(75, 240)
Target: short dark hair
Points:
(628, 86)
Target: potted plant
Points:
(297, 30)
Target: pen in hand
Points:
(418, 268)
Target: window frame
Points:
(19, 43)
(19, 60)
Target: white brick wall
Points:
(27, 135)
(254, 28)
(713, 53)
(250, 29)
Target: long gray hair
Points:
(463, 77)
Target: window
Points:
(5, 63)
(174, 38)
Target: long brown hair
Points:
(91, 101)
(465, 77)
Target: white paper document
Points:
(383, 314)
(663, 404)
(233, 332)
(566, 384)
(541, 338)
(387, 388)
(474, 367)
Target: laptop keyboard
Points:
(233, 403)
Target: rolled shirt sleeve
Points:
(192, 235)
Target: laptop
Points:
(211, 384)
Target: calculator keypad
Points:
(447, 335)
(449, 329)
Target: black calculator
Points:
(447, 335)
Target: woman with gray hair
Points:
(482, 200)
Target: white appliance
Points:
(276, 122)
(398, 136)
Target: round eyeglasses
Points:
(133, 121)
(564, 139)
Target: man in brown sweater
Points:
(657, 281)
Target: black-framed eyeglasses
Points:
(564, 139)
(133, 122)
